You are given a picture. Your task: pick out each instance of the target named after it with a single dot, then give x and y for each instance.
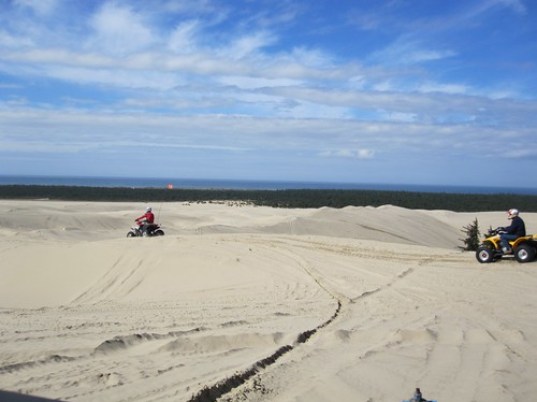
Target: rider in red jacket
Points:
(145, 220)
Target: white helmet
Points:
(512, 213)
(148, 209)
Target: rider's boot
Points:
(506, 250)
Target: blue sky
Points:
(387, 91)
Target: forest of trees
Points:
(280, 198)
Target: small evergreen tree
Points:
(471, 242)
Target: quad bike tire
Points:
(484, 254)
(158, 232)
(525, 253)
(130, 234)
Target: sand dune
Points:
(259, 304)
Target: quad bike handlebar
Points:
(494, 232)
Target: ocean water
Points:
(179, 183)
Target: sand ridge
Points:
(360, 304)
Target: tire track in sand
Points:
(223, 387)
(114, 280)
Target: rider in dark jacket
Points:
(514, 231)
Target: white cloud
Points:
(406, 51)
(38, 57)
(11, 41)
(312, 57)
(365, 153)
(400, 116)
(247, 45)
(118, 78)
(192, 7)
(246, 82)
(349, 153)
(445, 88)
(485, 5)
(517, 5)
(521, 153)
(119, 30)
(44, 147)
(41, 7)
(10, 86)
(28, 129)
(183, 37)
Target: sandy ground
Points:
(358, 304)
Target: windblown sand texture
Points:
(359, 304)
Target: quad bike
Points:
(524, 249)
(152, 230)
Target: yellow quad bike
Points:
(524, 248)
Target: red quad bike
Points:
(524, 249)
(152, 230)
